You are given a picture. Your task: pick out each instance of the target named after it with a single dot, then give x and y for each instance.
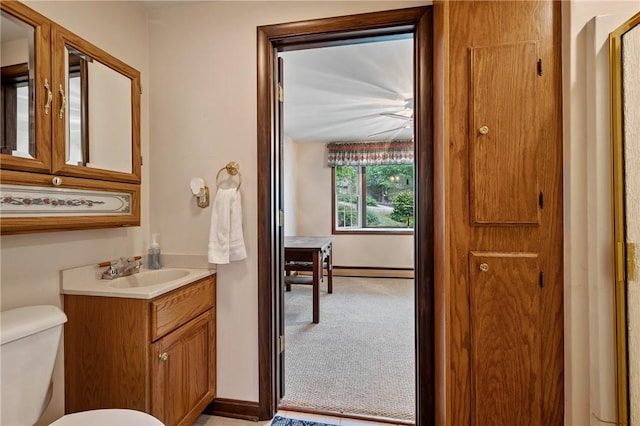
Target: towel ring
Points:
(232, 169)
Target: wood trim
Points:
(235, 408)
(334, 31)
(424, 222)
(442, 302)
(266, 219)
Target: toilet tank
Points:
(29, 339)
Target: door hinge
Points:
(141, 160)
(280, 217)
(282, 343)
(541, 279)
(280, 92)
(539, 64)
(631, 262)
(541, 200)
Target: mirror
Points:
(17, 96)
(96, 125)
(625, 139)
(101, 96)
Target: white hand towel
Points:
(226, 241)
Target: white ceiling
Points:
(340, 93)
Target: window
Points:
(377, 198)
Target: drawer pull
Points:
(484, 267)
(163, 356)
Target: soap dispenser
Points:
(153, 261)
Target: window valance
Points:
(369, 153)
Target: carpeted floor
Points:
(360, 358)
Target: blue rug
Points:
(285, 421)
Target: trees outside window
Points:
(379, 197)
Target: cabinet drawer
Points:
(174, 309)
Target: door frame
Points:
(419, 21)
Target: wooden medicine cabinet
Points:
(70, 141)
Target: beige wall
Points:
(589, 375)
(312, 204)
(14, 52)
(31, 264)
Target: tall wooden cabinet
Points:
(156, 356)
(502, 149)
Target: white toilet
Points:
(29, 338)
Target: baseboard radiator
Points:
(368, 272)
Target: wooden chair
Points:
(292, 267)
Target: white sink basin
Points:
(148, 277)
(146, 284)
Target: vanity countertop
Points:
(146, 284)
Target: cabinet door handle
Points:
(49, 97)
(163, 356)
(64, 101)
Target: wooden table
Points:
(314, 251)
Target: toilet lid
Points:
(108, 417)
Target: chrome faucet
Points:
(122, 267)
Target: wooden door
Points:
(183, 376)
(505, 333)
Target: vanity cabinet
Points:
(70, 111)
(156, 356)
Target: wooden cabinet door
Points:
(183, 371)
(505, 135)
(27, 65)
(505, 330)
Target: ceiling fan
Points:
(405, 114)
